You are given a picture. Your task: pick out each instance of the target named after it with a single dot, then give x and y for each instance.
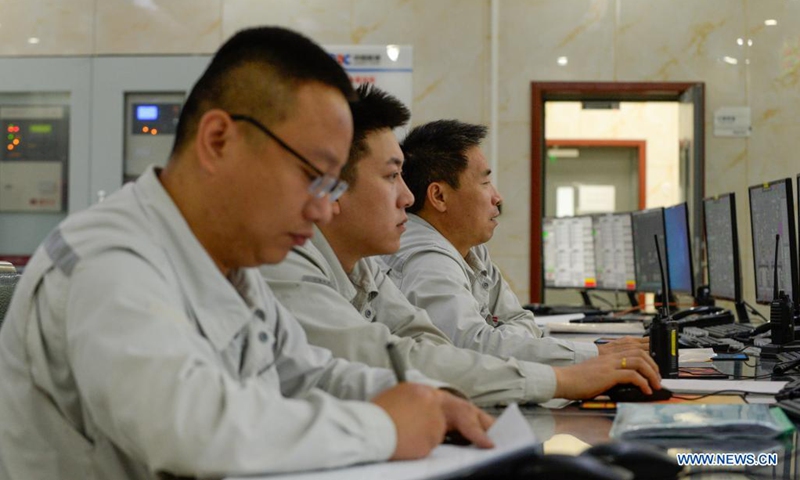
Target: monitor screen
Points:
(679, 250)
(771, 214)
(549, 251)
(646, 224)
(569, 253)
(722, 247)
(613, 251)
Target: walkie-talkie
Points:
(663, 331)
(781, 310)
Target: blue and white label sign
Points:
(387, 66)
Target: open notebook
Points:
(511, 435)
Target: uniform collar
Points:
(222, 306)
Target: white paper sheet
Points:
(709, 386)
(510, 433)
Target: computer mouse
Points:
(548, 467)
(628, 392)
(644, 460)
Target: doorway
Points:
(688, 146)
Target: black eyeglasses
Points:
(323, 184)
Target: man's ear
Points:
(437, 196)
(214, 133)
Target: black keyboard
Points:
(539, 309)
(719, 318)
(788, 356)
(728, 330)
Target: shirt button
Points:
(485, 285)
(368, 313)
(260, 314)
(263, 336)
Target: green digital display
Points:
(40, 128)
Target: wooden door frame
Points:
(542, 92)
(639, 145)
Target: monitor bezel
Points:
(792, 236)
(693, 281)
(666, 255)
(737, 268)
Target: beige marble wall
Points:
(606, 40)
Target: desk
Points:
(570, 430)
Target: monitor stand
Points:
(741, 312)
(632, 298)
(587, 301)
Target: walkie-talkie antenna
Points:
(775, 289)
(664, 283)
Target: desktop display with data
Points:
(771, 214)
(679, 250)
(613, 247)
(646, 224)
(722, 247)
(569, 253)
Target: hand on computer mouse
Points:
(592, 377)
(624, 344)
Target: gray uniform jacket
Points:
(356, 315)
(470, 301)
(126, 352)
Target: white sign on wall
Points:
(387, 66)
(732, 122)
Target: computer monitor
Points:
(679, 249)
(722, 247)
(646, 224)
(771, 214)
(569, 253)
(613, 250)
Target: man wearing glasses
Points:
(140, 341)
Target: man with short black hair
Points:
(347, 304)
(141, 341)
(443, 265)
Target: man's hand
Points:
(623, 344)
(467, 419)
(418, 416)
(594, 376)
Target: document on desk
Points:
(709, 386)
(630, 328)
(511, 434)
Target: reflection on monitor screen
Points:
(722, 247)
(679, 252)
(646, 224)
(613, 248)
(771, 214)
(569, 253)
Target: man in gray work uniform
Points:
(140, 341)
(443, 265)
(346, 303)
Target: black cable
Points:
(754, 311)
(607, 302)
(741, 394)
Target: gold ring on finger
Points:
(624, 362)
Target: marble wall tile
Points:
(515, 271)
(512, 237)
(325, 22)
(684, 40)
(157, 26)
(773, 153)
(774, 62)
(450, 40)
(726, 164)
(535, 35)
(46, 27)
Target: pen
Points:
(397, 363)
